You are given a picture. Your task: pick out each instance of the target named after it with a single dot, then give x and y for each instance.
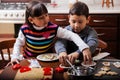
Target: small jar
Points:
(71, 2)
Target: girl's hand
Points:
(62, 58)
(12, 62)
(73, 56)
(87, 56)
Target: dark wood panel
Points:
(106, 26)
(106, 34)
(119, 38)
(61, 20)
(112, 48)
(103, 21)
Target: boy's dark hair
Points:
(79, 8)
(35, 9)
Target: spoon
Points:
(72, 66)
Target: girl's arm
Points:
(20, 41)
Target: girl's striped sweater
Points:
(39, 41)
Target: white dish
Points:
(47, 57)
(64, 66)
(101, 55)
(88, 65)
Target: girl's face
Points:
(41, 21)
(78, 23)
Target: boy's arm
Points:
(60, 46)
(83, 47)
(92, 40)
(66, 34)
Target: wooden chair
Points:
(101, 46)
(6, 48)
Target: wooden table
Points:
(9, 73)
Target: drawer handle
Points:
(60, 20)
(101, 34)
(99, 21)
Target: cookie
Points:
(102, 72)
(98, 74)
(87, 64)
(106, 63)
(105, 68)
(112, 73)
(116, 64)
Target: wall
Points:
(6, 28)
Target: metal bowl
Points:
(82, 73)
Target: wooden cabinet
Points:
(119, 38)
(107, 29)
(59, 19)
(106, 26)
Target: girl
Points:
(38, 34)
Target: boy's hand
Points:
(73, 56)
(62, 58)
(87, 56)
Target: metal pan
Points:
(82, 73)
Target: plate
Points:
(88, 65)
(100, 56)
(65, 67)
(48, 57)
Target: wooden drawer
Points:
(61, 20)
(107, 34)
(103, 21)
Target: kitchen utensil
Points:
(87, 64)
(83, 73)
(72, 66)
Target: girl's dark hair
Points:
(35, 9)
(79, 8)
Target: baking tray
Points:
(113, 68)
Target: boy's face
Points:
(78, 23)
(40, 21)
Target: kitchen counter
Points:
(95, 7)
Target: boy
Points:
(78, 19)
